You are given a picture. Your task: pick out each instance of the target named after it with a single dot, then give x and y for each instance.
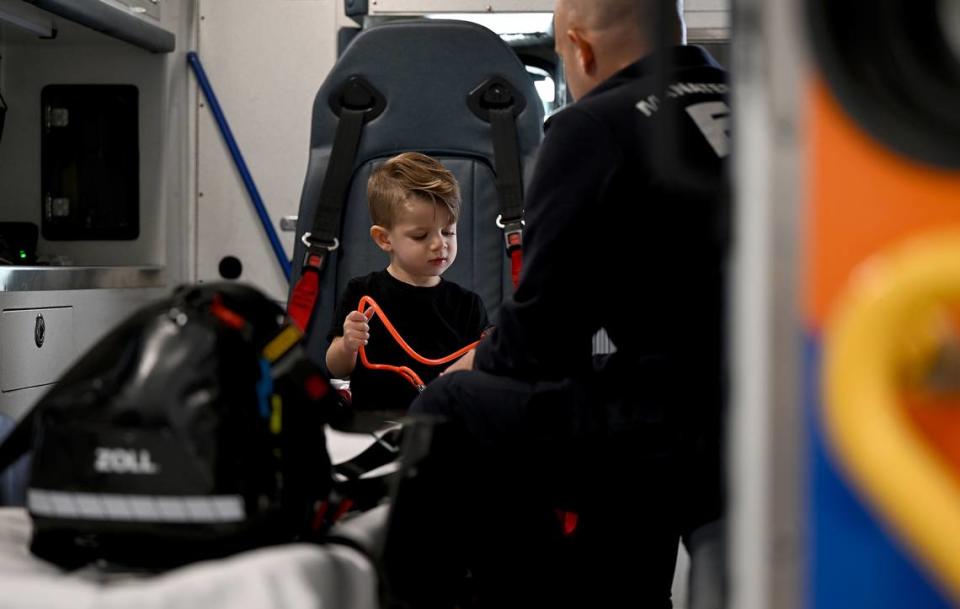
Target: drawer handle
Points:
(39, 331)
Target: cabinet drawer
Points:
(36, 346)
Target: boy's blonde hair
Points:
(411, 174)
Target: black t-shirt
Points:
(626, 217)
(434, 321)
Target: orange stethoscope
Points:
(369, 307)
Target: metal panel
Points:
(693, 6)
(706, 19)
(707, 25)
(148, 8)
(41, 278)
(113, 21)
(265, 60)
(27, 18)
(36, 347)
(394, 7)
(766, 425)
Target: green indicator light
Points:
(23, 254)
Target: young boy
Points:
(414, 205)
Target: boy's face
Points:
(422, 243)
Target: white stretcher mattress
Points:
(294, 576)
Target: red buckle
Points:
(513, 239)
(303, 298)
(568, 521)
(512, 233)
(322, 519)
(516, 263)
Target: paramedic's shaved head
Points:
(596, 38)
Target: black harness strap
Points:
(496, 102)
(506, 157)
(356, 103)
(346, 141)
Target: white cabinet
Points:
(37, 346)
(78, 306)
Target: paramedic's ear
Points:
(584, 52)
(381, 237)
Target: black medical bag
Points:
(193, 430)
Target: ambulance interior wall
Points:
(266, 59)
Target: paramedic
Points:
(567, 480)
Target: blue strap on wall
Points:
(204, 83)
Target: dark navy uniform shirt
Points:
(626, 230)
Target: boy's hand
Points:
(356, 331)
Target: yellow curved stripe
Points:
(875, 442)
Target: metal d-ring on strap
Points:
(305, 239)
